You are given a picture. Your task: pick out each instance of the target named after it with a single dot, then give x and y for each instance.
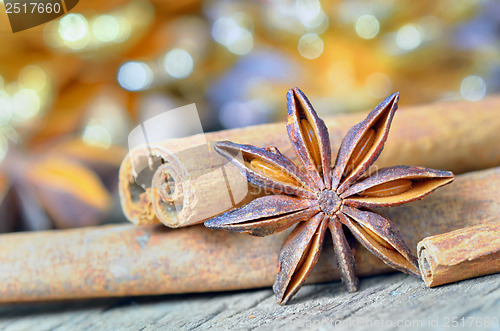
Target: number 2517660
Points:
(32, 8)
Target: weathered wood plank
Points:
(381, 303)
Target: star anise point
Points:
(324, 197)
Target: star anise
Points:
(322, 197)
(61, 185)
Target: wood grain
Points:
(386, 301)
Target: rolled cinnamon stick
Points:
(460, 254)
(124, 260)
(193, 183)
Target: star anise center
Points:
(325, 196)
(329, 202)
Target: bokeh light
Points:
(367, 26)
(178, 63)
(135, 76)
(242, 44)
(26, 104)
(310, 46)
(96, 135)
(309, 12)
(74, 31)
(238, 39)
(73, 27)
(408, 37)
(106, 28)
(473, 88)
(223, 30)
(88, 33)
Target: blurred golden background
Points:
(72, 89)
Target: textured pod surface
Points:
(265, 215)
(285, 176)
(378, 121)
(398, 256)
(311, 142)
(298, 257)
(423, 182)
(334, 203)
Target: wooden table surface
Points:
(382, 303)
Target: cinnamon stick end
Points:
(460, 254)
(424, 263)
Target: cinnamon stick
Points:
(124, 260)
(460, 254)
(193, 183)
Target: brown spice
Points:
(323, 197)
(441, 135)
(460, 254)
(125, 260)
(65, 185)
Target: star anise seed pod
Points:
(322, 197)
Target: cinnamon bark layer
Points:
(124, 260)
(184, 181)
(460, 254)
